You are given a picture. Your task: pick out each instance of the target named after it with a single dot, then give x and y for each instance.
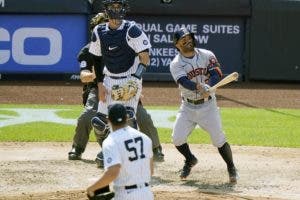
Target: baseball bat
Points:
(229, 78)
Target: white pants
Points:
(141, 193)
(206, 115)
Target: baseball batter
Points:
(128, 159)
(194, 69)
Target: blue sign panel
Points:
(223, 36)
(41, 43)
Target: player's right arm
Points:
(95, 45)
(95, 50)
(180, 76)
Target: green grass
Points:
(243, 126)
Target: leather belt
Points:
(118, 77)
(196, 102)
(134, 186)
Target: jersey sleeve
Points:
(95, 45)
(110, 153)
(137, 39)
(85, 59)
(177, 69)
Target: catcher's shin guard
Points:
(99, 122)
(131, 117)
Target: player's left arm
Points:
(109, 175)
(140, 43)
(214, 71)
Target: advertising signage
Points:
(41, 43)
(224, 36)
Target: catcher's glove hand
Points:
(98, 19)
(102, 196)
(124, 92)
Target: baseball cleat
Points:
(233, 175)
(158, 156)
(186, 170)
(74, 154)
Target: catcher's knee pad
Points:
(131, 117)
(130, 112)
(101, 135)
(99, 122)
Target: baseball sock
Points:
(225, 152)
(184, 149)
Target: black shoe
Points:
(186, 170)
(75, 154)
(158, 156)
(99, 160)
(233, 175)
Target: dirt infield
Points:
(258, 94)
(42, 171)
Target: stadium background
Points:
(257, 38)
(40, 39)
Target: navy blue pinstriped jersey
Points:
(117, 55)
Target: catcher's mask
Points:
(181, 33)
(115, 12)
(98, 19)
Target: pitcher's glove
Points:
(124, 92)
(102, 196)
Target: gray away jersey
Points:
(194, 68)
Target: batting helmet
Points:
(98, 19)
(115, 14)
(181, 33)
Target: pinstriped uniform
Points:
(206, 115)
(119, 49)
(132, 150)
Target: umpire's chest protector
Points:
(118, 56)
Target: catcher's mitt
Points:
(124, 92)
(98, 19)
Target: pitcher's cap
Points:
(117, 114)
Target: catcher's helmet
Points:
(115, 14)
(181, 33)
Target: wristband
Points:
(140, 71)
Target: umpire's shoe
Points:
(75, 153)
(99, 160)
(233, 175)
(186, 170)
(158, 156)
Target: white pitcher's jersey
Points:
(138, 42)
(194, 68)
(132, 150)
